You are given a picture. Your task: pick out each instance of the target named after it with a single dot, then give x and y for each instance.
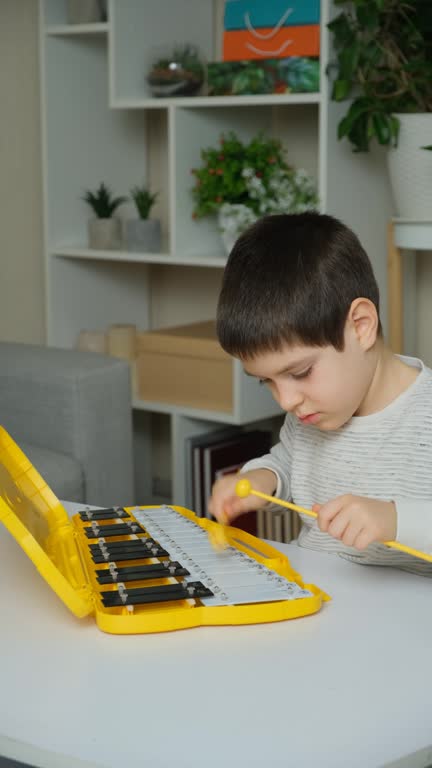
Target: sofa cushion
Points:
(62, 473)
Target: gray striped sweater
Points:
(386, 455)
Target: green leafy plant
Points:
(221, 179)
(253, 174)
(144, 200)
(102, 203)
(181, 73)
(384, 64)
(295, 74)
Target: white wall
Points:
(22, 313)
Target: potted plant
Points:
(143, 234)
(241, 181)
(104, 230)
(384, 66)
(179, 73)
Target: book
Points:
(229, 456)
(194, 446)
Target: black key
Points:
(143, 542)
(142, 572)
(103, 514)
(162, 594)
(112, 530)
(119, 557)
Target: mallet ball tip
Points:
(243, 488)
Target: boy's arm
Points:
(414, 523)
(279, 460)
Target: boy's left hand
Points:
(357, 521)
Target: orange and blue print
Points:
(263, 29)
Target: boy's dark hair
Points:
(292, 279)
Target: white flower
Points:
(290, 191)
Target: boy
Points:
(299, 306)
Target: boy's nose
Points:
(289, 397)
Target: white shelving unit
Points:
(100, 123)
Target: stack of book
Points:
(212, 455)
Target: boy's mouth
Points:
(310, 418)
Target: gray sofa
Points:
(70, 412)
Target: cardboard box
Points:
(185, 365)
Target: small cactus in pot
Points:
(143, 234)
(104, 229)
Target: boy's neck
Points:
(391, 377)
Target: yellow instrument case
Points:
(59, 548)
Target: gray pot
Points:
(143, 235)
(86, 11)
(104, 234)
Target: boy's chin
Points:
(331, 423)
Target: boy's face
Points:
(320, 385)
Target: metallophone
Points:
(146, 569)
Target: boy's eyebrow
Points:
(286, 368)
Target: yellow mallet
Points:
(244, 488)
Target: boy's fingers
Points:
(339, 525)
(327, 512)
(227, 509)
(351, 533)
(224, 519)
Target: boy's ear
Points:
(363, 319)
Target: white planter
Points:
(143, 235)
(104, 234)
(410, 167)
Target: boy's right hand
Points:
(224, 503)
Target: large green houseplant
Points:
(383, 65)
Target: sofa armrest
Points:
(77, 403)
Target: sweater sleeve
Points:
(279, 459)
(414, 523)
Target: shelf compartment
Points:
(196, 129)
(89, 295)
(144, 30)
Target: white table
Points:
(348, 687)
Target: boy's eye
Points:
(302, 374)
